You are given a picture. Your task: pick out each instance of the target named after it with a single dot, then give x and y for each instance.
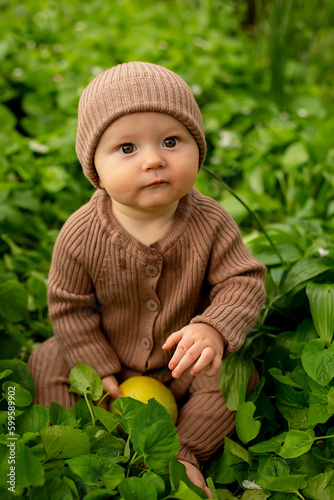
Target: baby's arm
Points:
(197, 343)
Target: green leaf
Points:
(293, 405)
(11, 343)
(85, 380)
(14, 301)
(318, 361)
(156, 480)
(53, 489)
(113, 477)
(255, 495)
(283, 379)
(106, 418)
(272, 445)
(147, 415)
(61, 416)
(134, 487)
(321, 298)
(64, 442)
(54, 179)
(177, 473)
(159, 444)
(91, 468)
(318, 486)
(238, 450)
(246, 426)
(234, 376)
(295, 155)
(16, 394)
(185, 493)
(37, 290)
(128, 407)
(302, 271)
(271, 465)
(286, 484)
(28, 469)
(297, 443)
(34, 419)
(20, 374)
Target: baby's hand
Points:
(197, 343)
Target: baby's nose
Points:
(153, 160)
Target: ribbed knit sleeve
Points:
(73, 308)
(235, 277)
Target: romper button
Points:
(151, 271)
(152, 305)
(146, 343)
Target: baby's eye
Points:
(127, 148)
(170, 142)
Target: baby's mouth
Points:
(157, 183)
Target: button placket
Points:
(152, 305)
(151, 271)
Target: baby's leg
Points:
(50, 373)
(204, 420)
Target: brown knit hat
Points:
(129, 88)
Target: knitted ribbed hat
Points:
(129, 88)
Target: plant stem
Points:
(89, 408)
(107, 394)
(272, 244)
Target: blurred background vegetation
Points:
(262, 73)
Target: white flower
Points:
(38, 147)
(322, 252)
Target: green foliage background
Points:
(262, 73)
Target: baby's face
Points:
(147, 160)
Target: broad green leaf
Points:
(297, 443)
(183, 492)
(234, 376)
(11, 343)
(147, 415)
(20, 374)
(128, 407)
(54, 179)
(106, 418)
(104, 440)
(159, 444)
(321, 298)
(302, 271)
(246, 426)
(91, 468)
(296, 154)
(113, 477)
(319, 410)
(283, 379)
(272, 445)
(13, 300)
(156, 480)
(61, 416)
(53, 489)
(271, 465)
(286, 484)
(37, 290)
(225, 495)
(318, 486)
(255, 495)
(64, 442)
(318, 361)
(28, 468)
(293, 405)
(34, 419)
(238, 450)
(85, 380)
(13, 392)
(134, 487)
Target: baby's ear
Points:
(101, 186)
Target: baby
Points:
(149, 273)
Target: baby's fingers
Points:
(205, 360)
(214, 367)
(172, 340)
